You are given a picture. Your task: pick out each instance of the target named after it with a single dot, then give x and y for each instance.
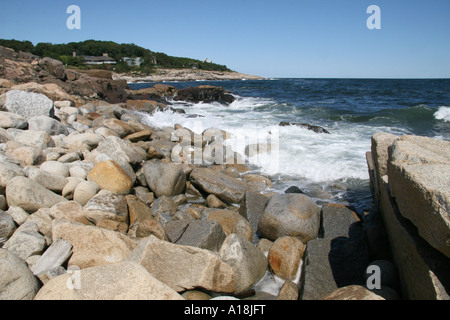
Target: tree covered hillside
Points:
(64, 53)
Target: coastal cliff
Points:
(410, 185)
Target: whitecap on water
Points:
(443, 114)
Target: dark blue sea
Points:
(328, 167)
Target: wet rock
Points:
(204, 94)
(316, 129)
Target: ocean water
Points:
(328, 167)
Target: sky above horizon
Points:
(284, 38)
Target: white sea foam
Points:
(443, 114)
(301, 153)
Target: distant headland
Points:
(128, 61)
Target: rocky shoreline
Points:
(183, 75)
(96, 204)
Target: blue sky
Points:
(283, 38)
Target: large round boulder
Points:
(294, 215)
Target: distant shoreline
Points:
(186, 75)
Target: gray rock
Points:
(18, 214)
(50, 181)
(46, 276)
(165, 179)
(75, 140)
(121, 150)
(292, 214)
(17, 282)
(37, 139)
(175, 229)
(163, 209)
(26, 241)
(54, 67)
(29, 195)
(247, 261)
(47, 124)
(55, 168)
(336, 262)
(211, 181)
(203, 234)
(318, 280)
(252, 208)
(106, 205)
(7, 226)
(336, 220)
(27, 104)
(56, 255)
(8, 171)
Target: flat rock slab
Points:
(119, 281)
(56, 255)
(224, 187)
(184, 267)
(419, 178)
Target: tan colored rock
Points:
(143, 135)
(138, 211)
(213, 202)
(231, 222)
(119, 281)
(150, 227)
(28, 156)
(419, 179)
(289, 291)
(70, 210)
(119, 127)
(109, 175)
(284, 257)
(184, 267)
(353, 292)
(92, 246)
